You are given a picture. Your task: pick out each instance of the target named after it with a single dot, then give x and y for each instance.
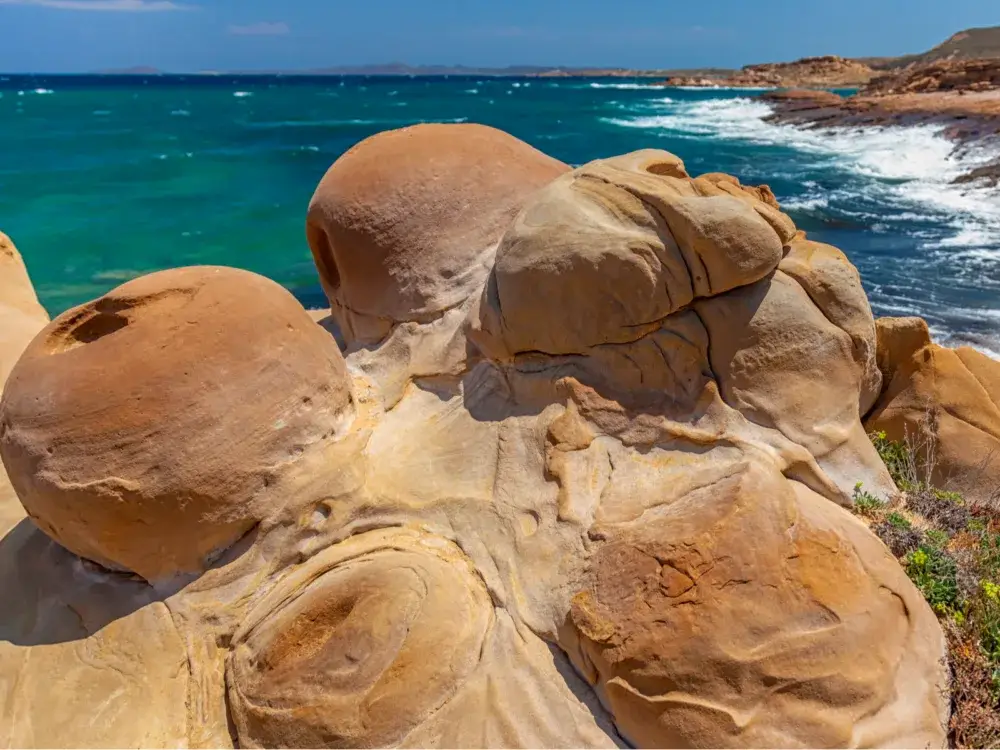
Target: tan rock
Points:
(489, 536)
(945, 403)
(21, 316)
(143, 430)
(811, 636)
(405, 224)
(638, 243)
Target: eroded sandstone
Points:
(581, 482)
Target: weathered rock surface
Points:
(21, 316)
(942, 75)
(144, 430)
(422, 247)
(946, 402)
(595, 500)
(828, 71)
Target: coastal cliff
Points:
(810, 72)
(588, 467)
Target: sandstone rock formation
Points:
(595, 497)
(141, 431)
(420, 248)
(21, 316)
(828, 71)
(943, 75)
(946, 402)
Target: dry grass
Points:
(951, 551)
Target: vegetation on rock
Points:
(950, 549)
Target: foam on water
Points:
(891, 180)
(242, 94)
(906, 167)
(626, 86)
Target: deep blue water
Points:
(104, 178)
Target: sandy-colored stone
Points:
(810, 636)
(143, 430)
(405, 224)
(945, 403)
(592, 501)
(637, 241)
(21, 316)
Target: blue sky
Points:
(190, 35)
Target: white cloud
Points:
(261, 29)
(119, 6)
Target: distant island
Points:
(405, 69)
(971, 44)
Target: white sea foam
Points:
(625, 86)
(724, 88)
(180, 113)
(472, 91)
(242, 94)
(43, 92)
(906, 170)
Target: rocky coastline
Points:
(587, 464)
(961, 99)
(824, 72)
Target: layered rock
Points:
(943, 75)
(828, 71)
(945, 403)
(594, 497)
(421, 248)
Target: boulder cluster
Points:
(569, 463)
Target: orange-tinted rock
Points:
(21, 317)
(405, 224)
(753, 614)
(829, 71)
(144, 430)
(945, 403)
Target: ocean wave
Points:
(180, 113)
(725, 88)
(907, 171)
(242, 94)
(472, 91)
(625, 86)
(43, 92)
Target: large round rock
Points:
(405, 224)
(146, 430)
(359, 647)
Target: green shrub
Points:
(897, 459)
(898, 520)
(934, 572)
(865, 503)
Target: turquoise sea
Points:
(105, 178)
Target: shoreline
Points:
(971, 120)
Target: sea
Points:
(105, 178)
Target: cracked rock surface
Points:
(580, 477)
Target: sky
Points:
(189, 35)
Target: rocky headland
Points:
(961, 97)
(825, 72)
(588, 467)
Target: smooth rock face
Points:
(811, 636)
(595, 501)
(945, 403)
(21, 317)
(143, 430)
(404, 225)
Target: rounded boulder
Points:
(146, 430)
(404, 225)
